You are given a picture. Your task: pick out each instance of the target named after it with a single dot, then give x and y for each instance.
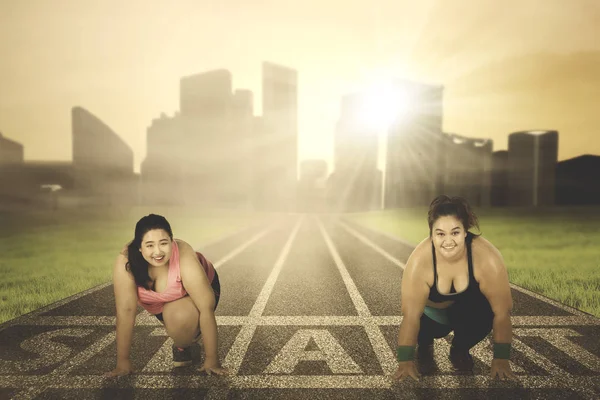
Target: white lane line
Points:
(243, 247)
(552, 302)
(372, 245)
(64, 369)
(545, 321)
(558, 338)
(222, 238)
(236, 354)
(538, 359)
(512, 285)
(484, 352)
(380, 346)
(29, 393)
(382, 233)
(85, 355)
(146, 319)
(162, 361)
(359, 302)
(38, 312)
(439, 382)
(261, 302)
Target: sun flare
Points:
(383, 105)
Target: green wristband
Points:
(502, 350)
(405, 353)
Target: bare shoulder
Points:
(120, 267)
(420, 258)
(124, 251)
(422, 250)
(183, 245)
(486, 257)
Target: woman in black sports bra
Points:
(456, 281)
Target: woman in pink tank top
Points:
(176, 284)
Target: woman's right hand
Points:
(123, 368)
(406, 369)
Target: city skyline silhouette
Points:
(495, 83)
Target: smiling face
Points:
(448, 236)
(156, 247)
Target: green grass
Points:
(50, 255)
(552, 251)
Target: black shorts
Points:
(216, 286)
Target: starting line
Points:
(141, 380)
(145, 319)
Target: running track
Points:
(310, 309)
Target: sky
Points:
(506, 66)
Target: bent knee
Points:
(178, 316)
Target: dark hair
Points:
(136, 263)
(456, 206)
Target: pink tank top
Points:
(153, 301)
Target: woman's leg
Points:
(428, 331)
(431, 329)
(181, 319)
(472, 322)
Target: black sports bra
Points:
(436, 296)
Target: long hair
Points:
(136, 263)
(456, 206)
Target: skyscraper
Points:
(532, 158)
(202, 153)
(499, 193)
(277, 139)
(355, 185)
(102, 161)
(468, 169)
(311, 185)
(206, 95)
(414, 146)
(11, 152)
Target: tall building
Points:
(27, 183)
(12, 184)
(577, 181)
(467, 171)
(11, 152)
(499, 193)
(206, 95)
(355, 185)
(161, 172)
(532, 158)
(201, 155)
(311, 185)
(277, 139)
(241, 151)
(415, 144)
(102, 161)
(262, 167)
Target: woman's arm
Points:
(494, 284)
(126, 304)
(198, 287)
(414, 293)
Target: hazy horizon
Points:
(123, 61)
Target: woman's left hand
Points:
(501, 368)
(213, 368)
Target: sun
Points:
(383, 105)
